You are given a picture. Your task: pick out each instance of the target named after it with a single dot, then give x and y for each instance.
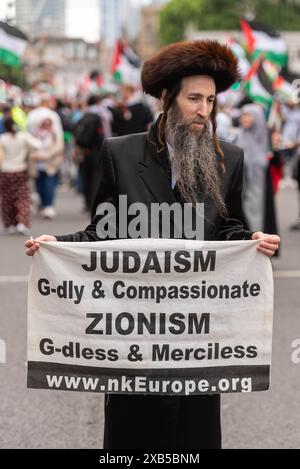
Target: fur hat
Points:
(182, 59)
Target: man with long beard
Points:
(191, 148)
(179, 159)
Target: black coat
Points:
(133, 165)
(138, 119)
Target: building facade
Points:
(62, 62)
(110, 21)
(147, 42)
(119, 19)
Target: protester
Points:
(89, 133)
(178, 149)
(45, 111)
(47, 164)
(253, 139)
(131, 115)
(67, 171)
(280, 152)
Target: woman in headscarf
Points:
(253, 139)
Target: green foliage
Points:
(222, 15)
(12, 75)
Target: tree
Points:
(282, 15)
(220, 15)
(175, 17)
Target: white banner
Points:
(150, 316)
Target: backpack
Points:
(87, 130)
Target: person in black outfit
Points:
(89, 135)
(131, 115)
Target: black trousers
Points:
(162, 422)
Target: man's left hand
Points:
(268, 244)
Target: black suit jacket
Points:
(135, 166)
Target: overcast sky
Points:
(82, 18)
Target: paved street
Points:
(56, 419)
(34, 418)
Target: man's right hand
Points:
(34, 244)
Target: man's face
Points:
(195, 101)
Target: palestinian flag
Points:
(264, 40)
(125, 66)
(263, 83)
(258, 85)
(280, 86)
(240, 53)
(12, 44)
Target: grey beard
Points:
(193, 158)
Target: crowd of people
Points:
(51, 141)
(272, 155)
